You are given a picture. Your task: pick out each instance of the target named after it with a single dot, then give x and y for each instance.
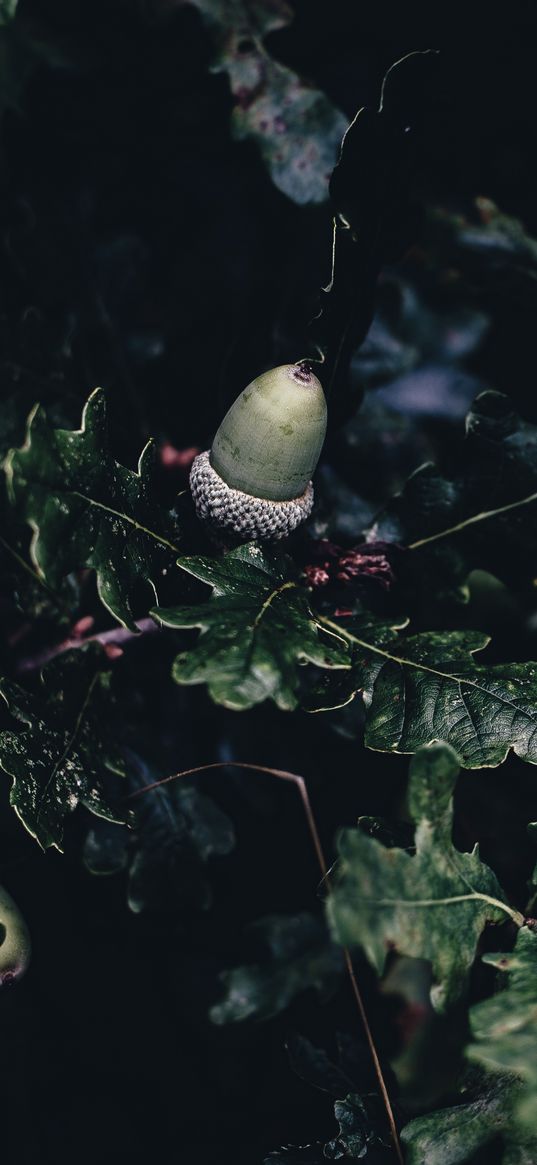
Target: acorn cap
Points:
(256, 479)
(249, 517)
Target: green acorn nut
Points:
(256, 479)
(14, 941)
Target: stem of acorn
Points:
(300, 783)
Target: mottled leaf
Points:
(295, 127)
(504, 1028)
(87, 510)
(261, 18)
(452, 1135)
(302, 957)
(432, 904)
(426, 687)
(257, 629)
(65, 754)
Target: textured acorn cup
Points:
(256, 479)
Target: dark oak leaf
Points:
(257, 630)
(301, 957)
(425, 687)
(65, 753)
(88, 510)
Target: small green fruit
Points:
(15, 943)
(256, 479)
(269, 442)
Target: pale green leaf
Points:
(295, 127)
(451, 1135)
(432, 904)
(504, 1028)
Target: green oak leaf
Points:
(428, 687)
(63, 755)
(484, 517)
(374, 222)
(256, 630)
(174, 833)
(433, 904)
(359, 1110)
(504, 1028)
(87, 510)
(451, 1136)
(28, 591)
(302, 956)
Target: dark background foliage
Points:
(142, 249)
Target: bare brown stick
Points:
(114, 637)
(300, 783)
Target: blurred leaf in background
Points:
(432, 904)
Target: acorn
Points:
(256, 478)
(14, 941)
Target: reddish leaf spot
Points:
(172, 458)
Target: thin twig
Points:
(300, 783)
(475, 518)
(115, 636)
